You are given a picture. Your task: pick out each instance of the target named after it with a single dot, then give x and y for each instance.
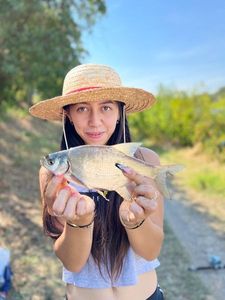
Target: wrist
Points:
(131, 225)
(80, 226)
(82, 222)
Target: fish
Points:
(96, 167)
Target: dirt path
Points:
(197, 233)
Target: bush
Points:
(183, 120)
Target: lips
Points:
(94, 135)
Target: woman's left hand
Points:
(144, 196)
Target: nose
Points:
(94, 118)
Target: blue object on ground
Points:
(5, 271)
(215, 262)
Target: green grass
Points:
(209, 181)
(7, 112)
(200, 173)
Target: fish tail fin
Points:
(173, 169)
(161, 179)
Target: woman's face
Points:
(96, 121)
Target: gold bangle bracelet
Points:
(80, 226)
(131, 227)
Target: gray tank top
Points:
(90, 276)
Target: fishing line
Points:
(64, 131)
(124, 123)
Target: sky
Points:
(175, 43)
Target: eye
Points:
(82, 109)
(51, 162)
(106, 108)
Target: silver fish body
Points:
(95, 167)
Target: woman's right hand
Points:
(63, 200)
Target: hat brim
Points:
(136, 100)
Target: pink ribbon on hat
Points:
(83, 89)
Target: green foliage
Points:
(208, 180)
(40, 40)
(184, 120)
(210, 130)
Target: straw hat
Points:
(92, 82)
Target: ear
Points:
(67, 114)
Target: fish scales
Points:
(101, 163)
(93, 166)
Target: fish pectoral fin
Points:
(75, 179)
(80, 182)
(124, 193)
(127, 148)
(101, 193)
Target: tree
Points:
(40, 40)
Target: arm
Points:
(63, 202)
(73, 247)
(147, 239)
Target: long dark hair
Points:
(110, 242)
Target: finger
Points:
(127, 215)
(70, 208)
(147, 204)
(61, 200)
(131, 174)
(85, 206)
(145, 190)
(90, 204)
(137, 210)
(52, 188)
(44, 177)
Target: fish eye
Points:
(51, 161)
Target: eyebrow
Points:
(105, 102)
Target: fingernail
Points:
(123, 168)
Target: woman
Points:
(108, 249)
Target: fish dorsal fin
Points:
(127, 148)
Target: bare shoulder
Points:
(148, 155)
